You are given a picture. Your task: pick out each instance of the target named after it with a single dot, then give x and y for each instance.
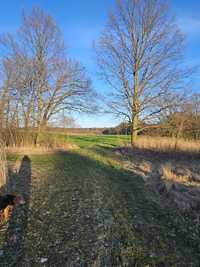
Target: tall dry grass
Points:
(3, 165)
(13, 137)
(167, 144)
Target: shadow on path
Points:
(100, 214)
(18, 182)
(94, 213)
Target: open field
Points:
(98, 204)
(99, 134)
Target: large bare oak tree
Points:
(140, 57)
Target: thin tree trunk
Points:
(178, 135)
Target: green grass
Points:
(84, 209)
(84, 140)
(108, 140)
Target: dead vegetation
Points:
(24, 142)
(31, 150)
(167, 144)
(3, 166)
(172, 171)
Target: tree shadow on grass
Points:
(163, 224)
(149, 154)
(153, 155)
(18, 182)
(98, 215)
(129, 227)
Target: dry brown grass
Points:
(169, 172)
(169, 167)
(3, 165)
(30, 150)
(167, 144)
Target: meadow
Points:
(97, 202)
(75, 191)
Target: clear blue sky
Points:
(81, 22)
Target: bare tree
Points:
(8, 105)
(64, 121)
(3, 165)
(140, 57)
(45, 81)
(67, 122)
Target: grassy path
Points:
(84, 209)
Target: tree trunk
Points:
(134, 130)
(178, 135)
(135, 108)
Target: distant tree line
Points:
(182, 122)
(122, 129)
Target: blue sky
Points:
(81, 22)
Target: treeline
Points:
(181, 123)
(89, 131)
(122, 129)
(38, 78)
